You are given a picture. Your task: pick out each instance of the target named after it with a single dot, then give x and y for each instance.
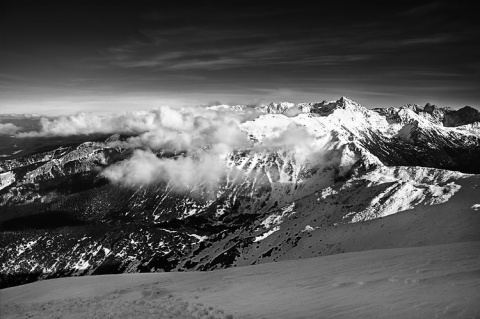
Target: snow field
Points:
(149, 304)
(438, 281)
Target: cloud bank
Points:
(304, 145)
(87, 123)
(204, 137)
(144, 167)
(135, 122)
(8, 129)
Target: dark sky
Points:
(64, 57)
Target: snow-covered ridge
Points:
(407, 122)
(87, 153)
(407, 188)
(288, 108)
(443, 116)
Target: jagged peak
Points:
(414, 107)
(322, 108)
(274, 107)
(326, 108)
(431, 113)
(345, 101)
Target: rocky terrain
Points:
(315, 179)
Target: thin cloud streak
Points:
(302, 53)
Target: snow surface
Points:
(438, 281)
(409, 186)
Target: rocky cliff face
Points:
(463, 116)
(338, 164)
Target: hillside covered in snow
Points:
(225, 186)
(438, 281)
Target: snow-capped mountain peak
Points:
(326, 108)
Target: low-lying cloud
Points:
(297, 139)
(8, 128)
(304, 147)
(204, 136)
(144, 167)
(87, 123)
(192, 129)
(134, 122)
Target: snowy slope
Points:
(423, 282)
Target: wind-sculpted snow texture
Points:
(438, 281)
(181, 189)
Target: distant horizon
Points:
(116, 109)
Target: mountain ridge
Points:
(338, 167)
(448, 116)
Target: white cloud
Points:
(190, 129)
(204, 136)
(144, 167)
(164, 117)
(8, 129)
(305, 145)
(87, 123)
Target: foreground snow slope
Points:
(423, 282)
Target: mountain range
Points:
(311, 179)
